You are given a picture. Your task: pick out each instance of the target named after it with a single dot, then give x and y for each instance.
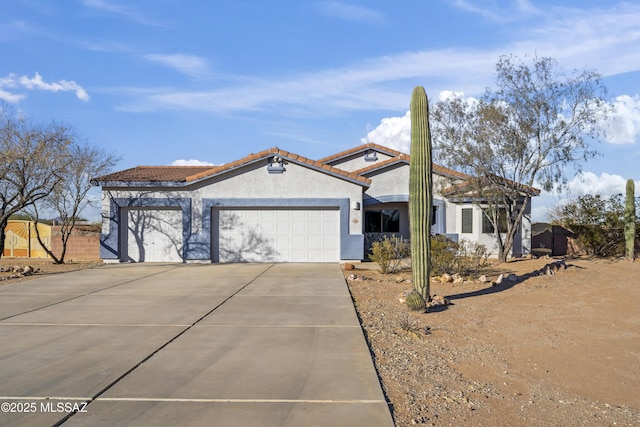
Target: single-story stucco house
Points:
(277, 206)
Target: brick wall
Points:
(83, 244)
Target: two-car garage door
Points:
(275, 235)
(237, 235)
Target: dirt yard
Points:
(544, 351)
(41, 267)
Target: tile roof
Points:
(154, 174)
(405, 158)
(186, 174)
(361, 148)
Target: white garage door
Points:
(276, 235)
(154, 235)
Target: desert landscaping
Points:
(540, 350)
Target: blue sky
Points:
(166, 81)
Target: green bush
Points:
(471, 257)
(597, 223)
(464, 257)
(443, 255)
(389, 253)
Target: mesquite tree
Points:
(526, 133)
(33, 160)
(630, 221)
(420, 193)
(68, 199)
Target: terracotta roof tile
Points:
(194, 173)
(405, 158)
(154, 174)
(359, 148)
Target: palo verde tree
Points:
(524, 133)
(33, 160)
(71, 196)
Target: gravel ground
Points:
(544, 351)
(537, 351)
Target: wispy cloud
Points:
(12, 81)
(350, 12)
(498, 12)
(190, 65)
(604, 39)
(127, 12)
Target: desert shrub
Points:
(443, 255)
(597, 223)
(470, 258)
(409, 324)
(389, 253)
(464, 257)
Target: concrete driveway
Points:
(196, 344)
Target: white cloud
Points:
(395, 132)
(124, 11)
(583, 183)
(392, 132)
(9, 97)
(190, 162)
(624, 125)
(12, 81)
(590, 183)
(190, 65)
(350, 12)
(36, 82)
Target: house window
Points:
(385, 221)
(487, 226)
(433, 215)
(467, 220)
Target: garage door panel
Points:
(272, 235)
(153, 235)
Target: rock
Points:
(499, 279)
(438, 301)
(352, 277)
(349, 266)
(402, 297)
(457, 278)
(28, 271)
(446, 278)
(512, 277)
(482, 279)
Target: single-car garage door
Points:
(276, 235)
(153, 235)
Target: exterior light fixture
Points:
(370, 156)
(275, 165)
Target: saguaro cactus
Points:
(420, 193)
(630, 221)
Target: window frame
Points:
(385, 219)
(469, 212)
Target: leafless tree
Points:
(33, 161)
(71, 196)
(525, 133)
